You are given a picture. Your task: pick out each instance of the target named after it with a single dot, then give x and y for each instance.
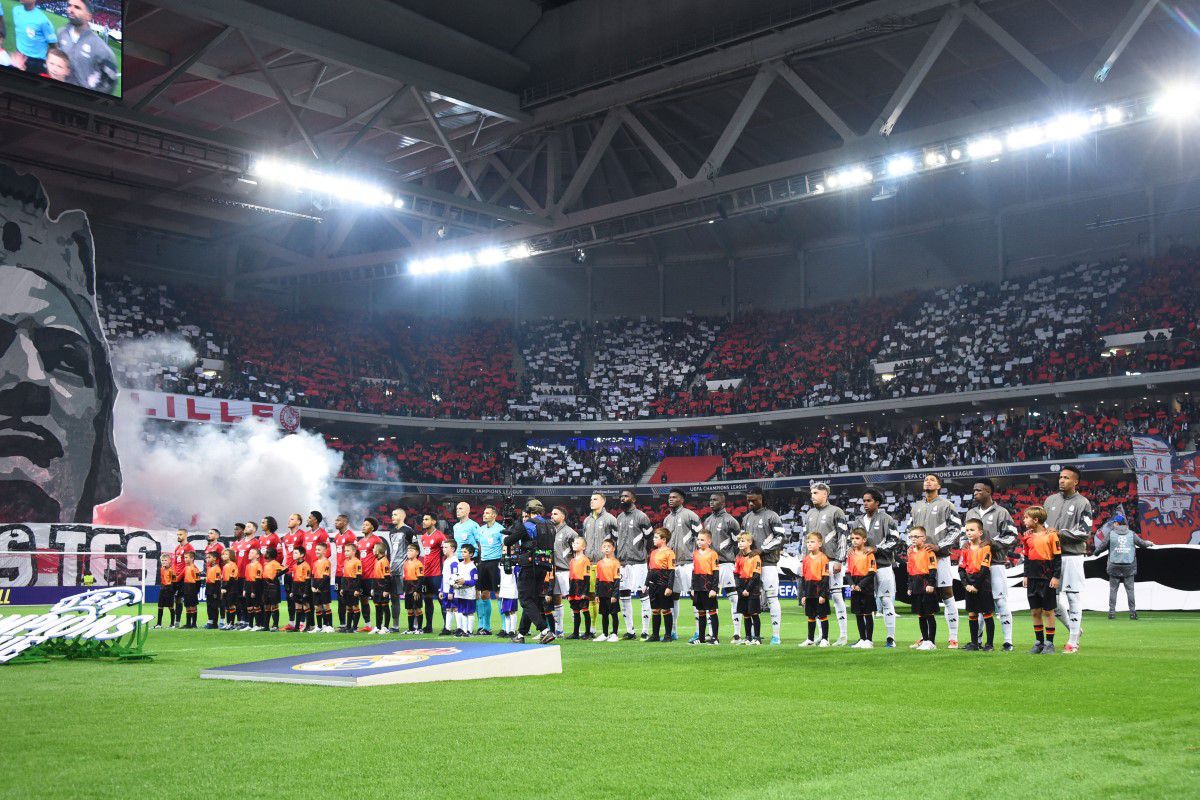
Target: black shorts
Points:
(271, 595)
(412, 601)
(431, 585)
(579, 604)
(232, 591)
(489, 576)
(348, 589)
(578, 587)
(212, 593)
(814, 608)
(253, 593)
(924, 603)
(166, 596)
(751, 604)
(862, 602)
(660, 600)
(1041, 596)
(607, 589)
(703, 584)
(381, 590)
(981, 602)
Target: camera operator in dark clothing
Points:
(531, 540)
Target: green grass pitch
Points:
(626, 720)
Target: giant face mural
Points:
(57, 456)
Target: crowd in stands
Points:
(789, 360)
(1036, 329)
(636, 362)
(983, 438)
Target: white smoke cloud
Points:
(138, 361)
(207, 475)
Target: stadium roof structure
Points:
(567, 124)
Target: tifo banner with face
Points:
(57, 455)
(1168, 492)
(42, 563)
(185, 408)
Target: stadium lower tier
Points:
(1088, 431)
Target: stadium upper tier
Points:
(1063, 325)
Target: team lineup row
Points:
(619, 559)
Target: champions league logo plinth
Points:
(79, 626)
(400, 662)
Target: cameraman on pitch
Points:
(531, 540)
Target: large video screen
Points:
(75, 42)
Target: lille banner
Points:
(1168, 492)
(186, 408)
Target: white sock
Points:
(776, 615)
(1074, 617)
(558, 617)
(644, 602)
(470, 623)
(675, 614)
(452, 620)
(1005, 618)
(734, 615)
(627, 613)
(889, 614)
(950, 612)
(839, 610)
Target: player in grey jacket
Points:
(1122, 545)
(564, 544)
(833, 526)
(634, 535)
(1001, 533)
(944, 528)
(724, 530)
(598, 526)
(767, 529)
(1070, 514)
(683, 524)
(883, 536)
(93, 64)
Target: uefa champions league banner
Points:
(43, 563)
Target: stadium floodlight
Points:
(987, 147)
(518, 251)
(849, 178)
(490, 257)
(900, 166)
(307, 179)
(1025, 136)
(1067, 126)
(1178, 101)
(935, 158)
